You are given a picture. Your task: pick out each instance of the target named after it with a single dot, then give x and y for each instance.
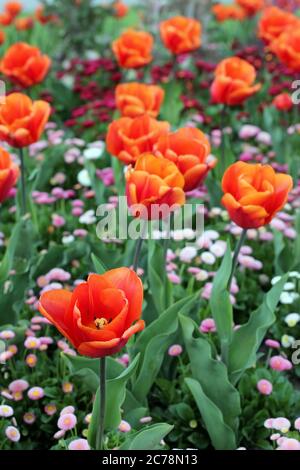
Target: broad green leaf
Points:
(221, 435)
(77, 363)
(248, 338)
(147, 439)
(220, 304)
(211, 374)
(153, 343)
(99, 266)
(161, 287)
(172, 105)
(115, 396)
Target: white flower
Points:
(292, 319)
(208, 258)
(83, 178)
(287, 341)
(6, 411)
(275, 280)
(88, 217)
(295, 274)
(67, 239)
(187, 254)
(289, 286)
(211, 234)
(178, 235)
(218, 249)
(93, 153)
(288, 298)
(188, 233)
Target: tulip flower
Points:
(128, 138)
(9, 174)
(181, 34)
(154, 188)
(25, 64)
(286, 47)
(135, 99)
(133, 49)
(189, 149)
(273, 22)
(228, 12)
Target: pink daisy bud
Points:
(59, 434)
(67, 409)
(12, 433)
(67, 421)
(175, 350)
(272, 343)
(208, 326)
(79, 444)
(297, 424)
(31, 360)
(18, 385)
(50, 409)
(29, 418)
(264, 387)
(35, 393)
(124, 426)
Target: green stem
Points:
(236, 254)
(137, 253)
(100, 434)
(222, 127)
(23, 183)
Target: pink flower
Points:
(12, 433)
(297, 424)
(18, 385)
(264, 387)
(35, 393)
(59, 434)
(272, 343)
(124, 426)
(174, 278)
(7, 334)
(208, 326)
(67, 410)
(289, 444)
(31, 360)
(281, 424)
(67, 421)
(146, 419)
(280, 363)
(58, 221)
(6, 411)
(50, 409)
(29, 418)
(79, 444)
(32, 342)
(175, 350)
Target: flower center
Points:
(100, 323)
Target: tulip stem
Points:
(139, 245)
(100, 435)
(236, 254)
(222, 126)
(23, 183)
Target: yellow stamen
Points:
(100, 323)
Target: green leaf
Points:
(161, 287)
(211, 374)
(147, 439)
(221, 435)
(172, 105)
(99, 266)
(220, 304)
(77, 363)
(248, 338)
(115, 393)
(153, 343)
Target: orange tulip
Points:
(189, 149)
(42, 17)
(100, 316)
(120, 9)
(234, 82)
(287, 48)
(25, 64)
(2, 37)
(228, 12)
(283, 102)
(181, 34)
(133, 49)
(254, 193)
(273, 22)
(5, 19)
(128, 138)
(9, 174)
(22, 120)
(135, 99)
(251, 6)
(24, 24)
(13, 8)
(154, 187)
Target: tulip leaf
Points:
(77, 363)
(220, 304)
(248, 338)
(115, 393)
(153, 343)
(147, 439)
(221, 435)
(98, 265)
(172, 105)
(161, 287)
(211, 374)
